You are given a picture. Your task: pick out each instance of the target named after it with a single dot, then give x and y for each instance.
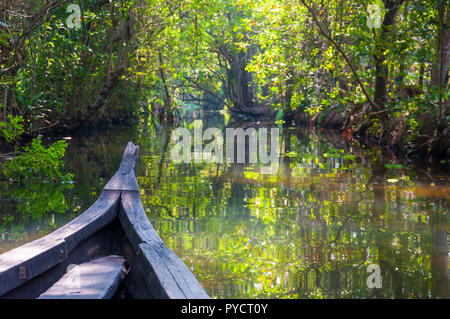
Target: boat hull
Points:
(115, 224)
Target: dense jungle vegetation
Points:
(347, 82)
(376, 70)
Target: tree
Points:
(385, 36)
(439, 74)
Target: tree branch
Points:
(344, 55)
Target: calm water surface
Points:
(308, 230)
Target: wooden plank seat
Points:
(96, 279)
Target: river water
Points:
(312, 228)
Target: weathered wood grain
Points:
(96, 279)
(169, 273)
(136, 225)
(110, 240)
(164, 274)
(100, 214)
(21, 264)
(125, 179)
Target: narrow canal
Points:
(309, 229)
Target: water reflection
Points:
(32, 210)
(310, 229)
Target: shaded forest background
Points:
(319, 64)
(313, 62)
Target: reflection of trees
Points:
(383, 239)
(286, 161)
(165, 145)
(37, 207)
(93, 158)
(310, 230)
(439, 251)
(236, 202)
(25, 207)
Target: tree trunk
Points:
(289, 89)
(243, 97)
(381, 66)
(108, 87)
(400, 81)
(439, 75)
(421, 74)
(167, 97)
(238, 85)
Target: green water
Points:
(308, 230)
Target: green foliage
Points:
(11, 130)
(60, 72)
(35, 200)
(38, 162)
(309, 230)
(270, 51)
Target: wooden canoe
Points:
(113, 230)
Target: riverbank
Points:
(430, 143)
